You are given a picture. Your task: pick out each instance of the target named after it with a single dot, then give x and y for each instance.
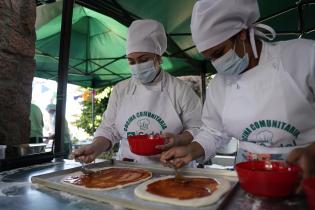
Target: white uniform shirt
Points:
(185, 101)
(298, 59)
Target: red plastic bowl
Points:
(309, 189)
(272, 179)
(145, 144)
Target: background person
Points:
(37, 125)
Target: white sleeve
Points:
(298, 59)
(107, 127)
(212, 135)
(191, 111)
(311, 79)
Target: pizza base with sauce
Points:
(221, 188)
(112, 178)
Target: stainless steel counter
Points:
(18, 193)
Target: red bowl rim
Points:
(143, 136)
(243, 166)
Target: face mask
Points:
(231, 63)
(144, 72)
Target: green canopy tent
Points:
(97, 51)
(290, 18)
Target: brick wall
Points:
(17, 48)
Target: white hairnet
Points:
(146, 36)
(215, 21)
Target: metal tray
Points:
(125, 197)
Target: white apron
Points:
(150, 112)
(267, 112)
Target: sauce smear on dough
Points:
(108, 178)
(194, 188)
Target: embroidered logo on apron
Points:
(259, 132)
(143, 124)
(143, 120)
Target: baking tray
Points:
(125, 197)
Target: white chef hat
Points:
(215, 21)
(146, 36)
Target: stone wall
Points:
(17, 48)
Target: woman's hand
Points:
(305, 158)
(89, 152)
(170, 140)
(176, 157)
(180, 156)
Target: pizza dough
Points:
(219, 187)
(108, 178)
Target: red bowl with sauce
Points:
(144, 145)
(309, 189)
(272, 179)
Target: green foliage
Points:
(74, 140)
(107, 155)
(85, 121)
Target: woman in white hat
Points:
(150, 102)
(263, 93)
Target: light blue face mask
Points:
(230, 63)
(144, 72)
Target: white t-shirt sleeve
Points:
(191, 111)
(212, 135)
(107, 127)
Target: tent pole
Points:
(301, 20)
(64, 51)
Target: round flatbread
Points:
(192, 193)
(107, 178)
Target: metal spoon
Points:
(83, 168)
(178, 176)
